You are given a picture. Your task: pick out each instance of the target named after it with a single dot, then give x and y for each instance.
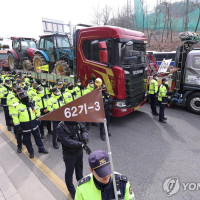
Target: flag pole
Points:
(110, 157)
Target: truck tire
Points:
(38, 61)
(27, 65)
(12, 62)
(193, 103)
(61, 68)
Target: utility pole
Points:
(186, 15)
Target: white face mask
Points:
(91, 85)
(79, 84)
(58, 94)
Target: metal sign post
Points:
(110, 157)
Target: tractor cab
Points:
(21, 53)
(54, 49)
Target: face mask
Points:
(91, 85)
(79, 84)
(156, 78)
(41, 92)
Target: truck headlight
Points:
(120, 104)
(126, 72)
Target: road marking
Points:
(59, 183)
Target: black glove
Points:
(87, 149)
(18, 129)
(85, 138)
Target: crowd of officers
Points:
(24, 100)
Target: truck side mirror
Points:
(103, 52)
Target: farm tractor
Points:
(22, 53)
(54, 50)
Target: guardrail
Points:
(49, 77)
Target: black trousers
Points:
(101, 126)
(73, 162)
(54, 137)
(7, 116)
(162, 111)
(42, 126)
(19, 137)
(28, 143)
(153, 103)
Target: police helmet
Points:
(54, 89)
(155, 75)
(23, 94)
(39, 88)
(7, 81)
(91, 81)
(19, 89)
(164, 79)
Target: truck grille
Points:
(134, 82)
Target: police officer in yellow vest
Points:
(55, 102)
(99, 184)
(79, 89)
(162, 97)
(40, 100)
(4, 91)
(24, 119)
(153, 90)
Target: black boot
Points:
(103, 137)
(19, 150)
(42, 135)
(9, 128)
(31, 155)
(44, 151)
(56, 146)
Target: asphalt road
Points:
(143, 149)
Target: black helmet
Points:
(7, 81)
(91, 81)
(19, 89)
(155, 75)
(39, 88)
(22, 94)
(164, 79)
(55, 89)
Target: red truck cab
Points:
(117, 56)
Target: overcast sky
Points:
(24, 17)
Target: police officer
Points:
(47, 87)
(69, 94)
(60, 86)
(4, 91)
(32, 90)
(79, 89)
(40, 100)
(73, 137)
(99, 184)
(153, 90)
(55, 102)
(162, 97)
(12, 102)
(107, 101)
(24, 119)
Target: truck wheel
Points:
(61, 68)
(193, 103)
(27, 65)
(12, 62)
(38, 61)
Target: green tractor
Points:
(56, 51)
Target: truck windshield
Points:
(28, 44)
(63, 42)
(129, 50)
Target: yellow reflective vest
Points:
(89, 191)
(153, 87)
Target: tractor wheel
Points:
(27, 65)
(61, 68)
(12, 62)
(38, 61)
(193, 103)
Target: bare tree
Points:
(97, 17)
(105, 14)
(198, 5)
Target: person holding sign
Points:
(73, 137)
(55, 102)
(99, 184)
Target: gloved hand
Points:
(85, 138)
(87, 149)
(18, 129)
